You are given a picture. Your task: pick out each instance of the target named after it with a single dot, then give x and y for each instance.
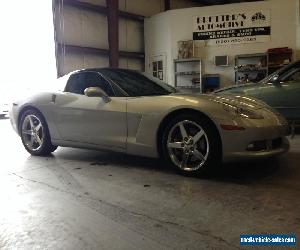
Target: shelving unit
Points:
(251, 67)
(185, 71)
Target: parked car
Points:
(126, 111)
(10, 93)
(3, 109)
(280, 90)
(4, 103)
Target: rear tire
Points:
(191, 144)
(35, 134)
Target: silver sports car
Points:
(126, 111)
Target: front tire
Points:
(191, 144)
(35, 134)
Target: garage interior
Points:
(86, 199)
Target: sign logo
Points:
(233, 28)
(258, 18)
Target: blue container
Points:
(211, 81)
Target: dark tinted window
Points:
(137, 84)
(281, 73)
(78, 82)
(292, 75)
(93, 79)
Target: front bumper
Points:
(269, 141)
(254, 155)
(13, 116)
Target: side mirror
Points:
(275, 80)
(96, 92)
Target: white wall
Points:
(163, 31)
(297, 55)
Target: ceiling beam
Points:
(222, 2)
(113, 32)
(99, 9)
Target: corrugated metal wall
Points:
(75, 26)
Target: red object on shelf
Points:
(283, 50)
(278, 57)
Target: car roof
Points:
(101, 70)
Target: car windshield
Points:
(279, 73)
(138, 84)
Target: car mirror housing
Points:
(96, 92)
(275, 80)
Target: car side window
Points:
(292, 75)
(78, 82)
(94, 79)
(295, 77)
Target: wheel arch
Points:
(173, 114)
(47, 146)
(23, 110)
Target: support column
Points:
(167, 5)
(113, 32)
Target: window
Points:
(93, 79)
(137, 84)
(283, 73)
(293, 75)
(78, 82)
(157, 69)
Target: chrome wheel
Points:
(32, 132)
(188, 145)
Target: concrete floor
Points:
(80, 199)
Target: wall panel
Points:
(97, 2)
(131, 35)
(134, 64)
(82, 28)
(142, 7)
(79, 60)
(89, 29)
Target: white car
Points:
(6, 100)
(125, 111)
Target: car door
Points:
(284, 94)
(290, 98)
(91, 120)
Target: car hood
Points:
(231, 99)
(238, 89)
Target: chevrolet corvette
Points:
(127, 111)
(280, 90)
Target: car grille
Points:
(277, 143)
(264, 145)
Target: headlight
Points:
(245, 113)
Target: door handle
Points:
(53, 98)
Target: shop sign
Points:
(233, 28)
